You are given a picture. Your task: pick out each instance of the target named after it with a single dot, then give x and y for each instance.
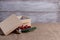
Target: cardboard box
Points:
(24, 20)
(10, 24)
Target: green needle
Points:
(28, 30)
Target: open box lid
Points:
(9, 24)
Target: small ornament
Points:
(22, 27)
(29, 26)
(18, 30)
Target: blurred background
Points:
(44, 11)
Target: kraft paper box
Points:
(24, 20)
(10, 24)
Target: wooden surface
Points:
(43, 10)
(44, 31)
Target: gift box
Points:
(25, 23)
(12, 22)
(24, 20)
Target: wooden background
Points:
(38, 10)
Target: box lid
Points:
(10, 24)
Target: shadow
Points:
(1, 33)
(13, 32)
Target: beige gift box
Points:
(24, 20)
(12, 22)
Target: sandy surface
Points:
(48, 31)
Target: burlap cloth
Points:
(44, 31)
